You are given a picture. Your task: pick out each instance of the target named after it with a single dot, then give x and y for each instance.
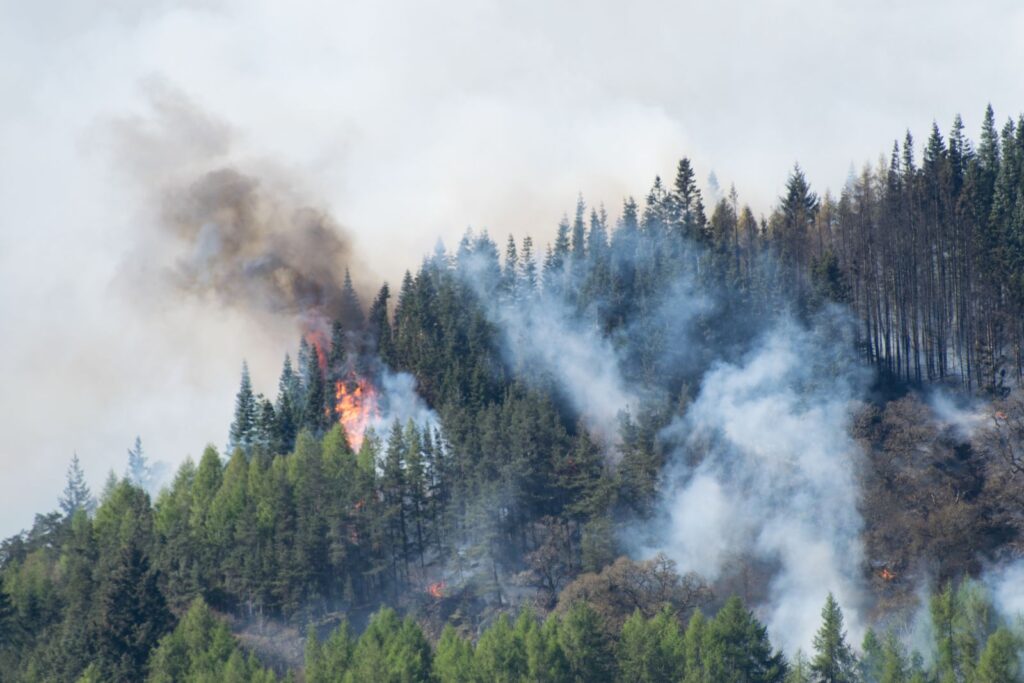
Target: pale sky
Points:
(409, 121)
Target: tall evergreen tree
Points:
(76, 495)
(139, 472)
(243, 427)
(351, 312)
(833, 661)
(131, 617)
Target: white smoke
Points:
(543, 341)
(765, 469)
(399, 400)
(963, 416)
(1006, 584)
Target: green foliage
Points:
(736, 648)
(453, 658)
(1000, 660)
(586, 647)
(833, 658)
(391, 650)
(651, 650)
(201, 649)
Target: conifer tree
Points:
(286, 411)
(1000, 660)
(316, 411)
(528, 267)
(351, 313)
(76, 495)
(379, 326)
(131, 617)
(833, 659)
(243, 426)
(453, 658)
(139, 472)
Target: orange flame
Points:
(886, 574)
(436, 590)
(355, 403)
(317, 338)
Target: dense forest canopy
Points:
(686, 443)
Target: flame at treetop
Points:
(317, 339)
(355, 404)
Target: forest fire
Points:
(355, 403)
(886, 574)
(436, 590)
(317, 340)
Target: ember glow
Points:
(355, 404)
(886, 574)
(436, 590)
(317, 339)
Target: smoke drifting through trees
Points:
(714, 358)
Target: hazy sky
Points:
(409, 121)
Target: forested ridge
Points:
(495, 530)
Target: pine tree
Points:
(316, 409)
(339, 351)
(693, 646)
(76, 495)
(798, 209)
(139, 472)
(351, 313)
(500, 656)
(586, 646)
(651, 650)
(9, 627)
(132, 615)
(833, 659)
(380, 327)
(510, 270)
(736, 648)
(286, 412)
(894, 665)
(999, 662)
(243, 427)
(528, 267)
(453, 658)
(872, 657)
(800, 669)
(686, 203)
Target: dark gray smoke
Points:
(249, 249)
(229, 229)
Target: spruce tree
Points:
(139, 472)
(76, 495)
(244, 424)
(286, 411)
(351, 313)
(833, 659)
(316, 410)
(999, 662)
(131, 616)
(380, 328)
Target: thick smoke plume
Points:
(249, 249)
(764, 472)
(230, 230)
